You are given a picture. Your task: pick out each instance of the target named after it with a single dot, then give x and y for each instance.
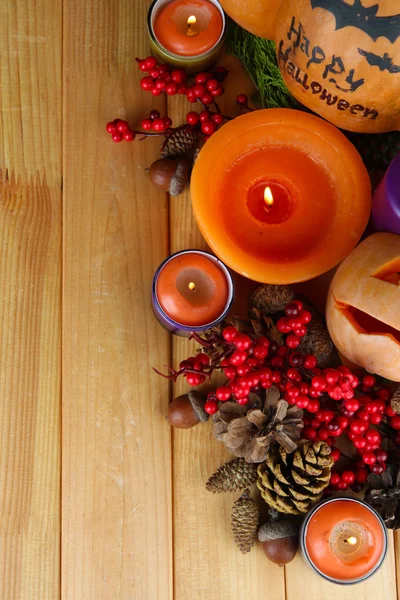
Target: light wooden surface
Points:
(81, 234)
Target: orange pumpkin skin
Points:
(362, 311)
(341, 59)
(257, 16)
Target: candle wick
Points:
(192, 286)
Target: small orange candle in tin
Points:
(344, 540)
(281, 196)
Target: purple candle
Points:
(386, 201)
(192, 291)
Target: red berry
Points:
(154, 73)
(154, 114)
(335, 454)
(369, 458)
(242, 342)
(283, 325)
(292, 310)
(171, 88)
(142, 65)
(229, 333)
(167, 122)
(395, 422)
(361, 475)
(305, 317)
(218, 92)
(378, 468)
(211, 407)
(155, 91)
(277, 361)
(373, 436)
(304, 388)
(218, 118)
(243, 369)
(149, 63)
(190, 95)
(192, 118)
(368, 381)
(313, 406)
(122, 126)
(230, 372)
(110, 127)
(199, 89)
(292, 391)
(182, 88)
(209, 127)
(300, 331)
(147, 124)
(351, 405)
(343, 422)
(299, 304)
(363, 415)
(164, 68)
(358, 426)
(375, 419)
(358, 441)
(293, 375)
(323, 434)
(309, 361)
(342, 486)
(242, 99)
(335, 479)
(303, 401)
(146, 83)
(223, 393)
(202, 77)
(129, 135)
(331, 376)
(384, 394)
(292, 341)
(243, 400)
(212, 84)
(207, 98)
(203, 358)
(318, 382)
(117, 137)
(238, 357)
(160, 84)
(314, 393)
(158, 125)
(309, 433)
(276, 377)
(204, 116)
(348, 477)
(381, 455)
(178, 75)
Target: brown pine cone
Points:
(292, 483)
(178, 141)
(317, 340)
(245, 517)
(272, 298)
(395, 401)
(384, 495)
(263, 325)
(234, 475)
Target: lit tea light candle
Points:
(386, 201)
(344, 540)
(192, 291)
(280, 196)
(186, 33)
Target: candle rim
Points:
(229, 281)
(151, 15)
(303, 545)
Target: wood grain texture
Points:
(30, 298)
(117, 521)
(208, 566)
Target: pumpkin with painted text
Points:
(363, 306)
(341, 59)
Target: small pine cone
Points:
(395, 401)
(264, 325)
(317, 341)
(272, 298)
(178, 141)
(234, 475)
(245, 517)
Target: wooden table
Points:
(99, 499)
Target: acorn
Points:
(170, 175)
(187, 410)
(280, 539)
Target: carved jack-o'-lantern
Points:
(257, 16)
(341, 59)
(363, 307)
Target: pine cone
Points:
(272, 298)
(245, 518)
(317, 340)
(292, 483)
(178, 141)
(264, 325)
(395, 401)
(384, 495)
(234, 475)
(249, 430)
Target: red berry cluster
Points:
(207, 86)
(155, 122)
(161, 78)
(207, 121)
(120, 130)
(194, 368)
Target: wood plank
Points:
(208, 566)
(30, 300)
(117, 524)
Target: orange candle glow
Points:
(344, 540)
(188, 27)
(193, 289)
(317, 206)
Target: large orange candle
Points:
(188, 27)
(192, 291)
(344, 540)
(280, 196)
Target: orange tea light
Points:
(344, 540)
(188, 27)
(280, 196)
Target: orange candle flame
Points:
(268, 197)
(191, 20)
(192, 286)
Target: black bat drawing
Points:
(384, 63)
(363, 18)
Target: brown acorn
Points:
(279, 538)
(170, 175)
(187, 410)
